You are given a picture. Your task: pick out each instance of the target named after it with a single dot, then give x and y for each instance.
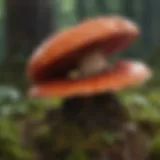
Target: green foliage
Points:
(14, 109)
(78, 155)
(10, 143)
(143, 104)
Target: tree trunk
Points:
(27, 24)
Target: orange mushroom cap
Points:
(62, 51)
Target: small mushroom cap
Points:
(124, 74)
(63, 50)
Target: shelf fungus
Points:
(74, 62)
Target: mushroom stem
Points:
(90, 65)
(93, 63)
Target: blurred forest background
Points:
(24, 24)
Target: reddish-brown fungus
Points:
(50, 63)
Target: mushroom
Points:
(61, 65)
(74, 64)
